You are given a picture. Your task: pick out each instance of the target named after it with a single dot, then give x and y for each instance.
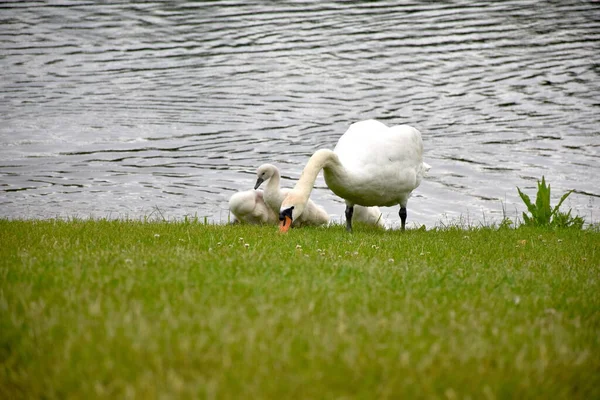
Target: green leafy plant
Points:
(542, 213)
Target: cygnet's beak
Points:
(285, 220)
(259, 182)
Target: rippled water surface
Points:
(129, 109)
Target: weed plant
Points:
(542, 213)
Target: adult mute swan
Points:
(273, 196)
(249, 207)
(371, 165)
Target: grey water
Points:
(166, 108)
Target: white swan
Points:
(249, 207)
(371, 165)
(273, 195)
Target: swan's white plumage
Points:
(371, 165)
(382, 165)
(249, 207)
(368, 215)
(273, 195)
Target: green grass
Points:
(121, 309)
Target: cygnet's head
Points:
(264, 173)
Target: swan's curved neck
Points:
(320, 159)
(274, 181)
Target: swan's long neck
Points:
(319, 160)
(274, 182)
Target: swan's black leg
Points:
(403, 216)
(349, 212)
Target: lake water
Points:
(165, 109)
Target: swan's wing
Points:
(359, 142)
(368, 215)
(314, 214)
(371, 144)
(263, 212)
(249, 206)
(242, 203)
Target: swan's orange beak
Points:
(285, 220)
(285, 224)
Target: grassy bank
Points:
(109, 309)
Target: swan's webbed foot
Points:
(403, 215)
(349, 213)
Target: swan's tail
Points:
(424, 168)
